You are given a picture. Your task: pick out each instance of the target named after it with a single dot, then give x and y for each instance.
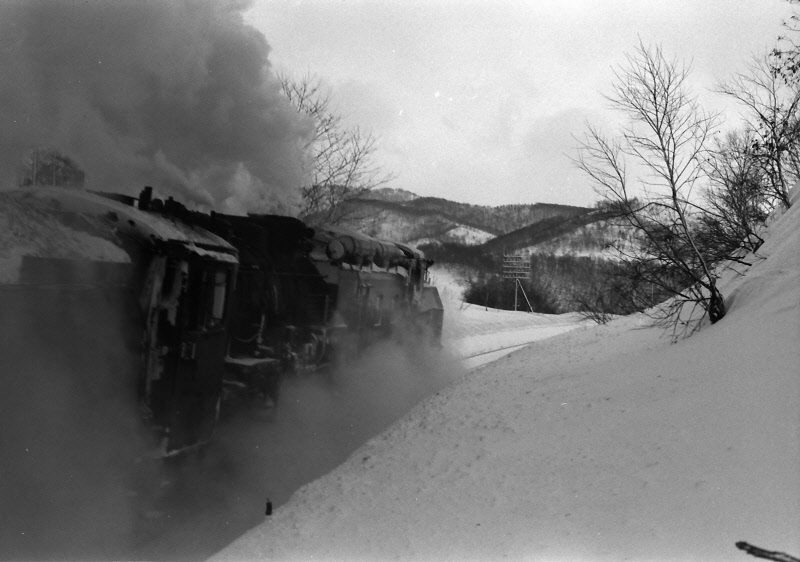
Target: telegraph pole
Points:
(516, 267)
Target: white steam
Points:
(321, 419)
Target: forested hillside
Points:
(400, 215)
(542, 230)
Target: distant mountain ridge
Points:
(401, 215)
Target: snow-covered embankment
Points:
(604, 443)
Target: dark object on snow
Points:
(767, 554)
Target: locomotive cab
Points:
(186, 306)
(165, 284)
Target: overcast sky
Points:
(478, 101)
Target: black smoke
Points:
(180, 95)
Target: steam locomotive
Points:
(209, 305)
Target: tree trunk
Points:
(716, 306)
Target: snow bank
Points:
(603, 443)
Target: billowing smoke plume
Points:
(179, 95)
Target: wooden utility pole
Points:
(516, 267)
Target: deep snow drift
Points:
(603, 443)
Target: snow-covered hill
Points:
(466, 235)
(603, 443)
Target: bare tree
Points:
(770, 94)
(615, 292)
(596, 302)
(788, 50)
(341, 159)
(665, 136)
(736, 200)
(48, 166)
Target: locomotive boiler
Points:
(211, 306)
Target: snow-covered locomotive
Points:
(120, 299)
(206, 305)
(307, 296)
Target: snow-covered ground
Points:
(600, 443)
(479, 335)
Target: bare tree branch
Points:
(772, 103)
(341, 160)
(766, 554)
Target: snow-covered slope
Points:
(467, 235)
(461, 234)
(604, 443)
